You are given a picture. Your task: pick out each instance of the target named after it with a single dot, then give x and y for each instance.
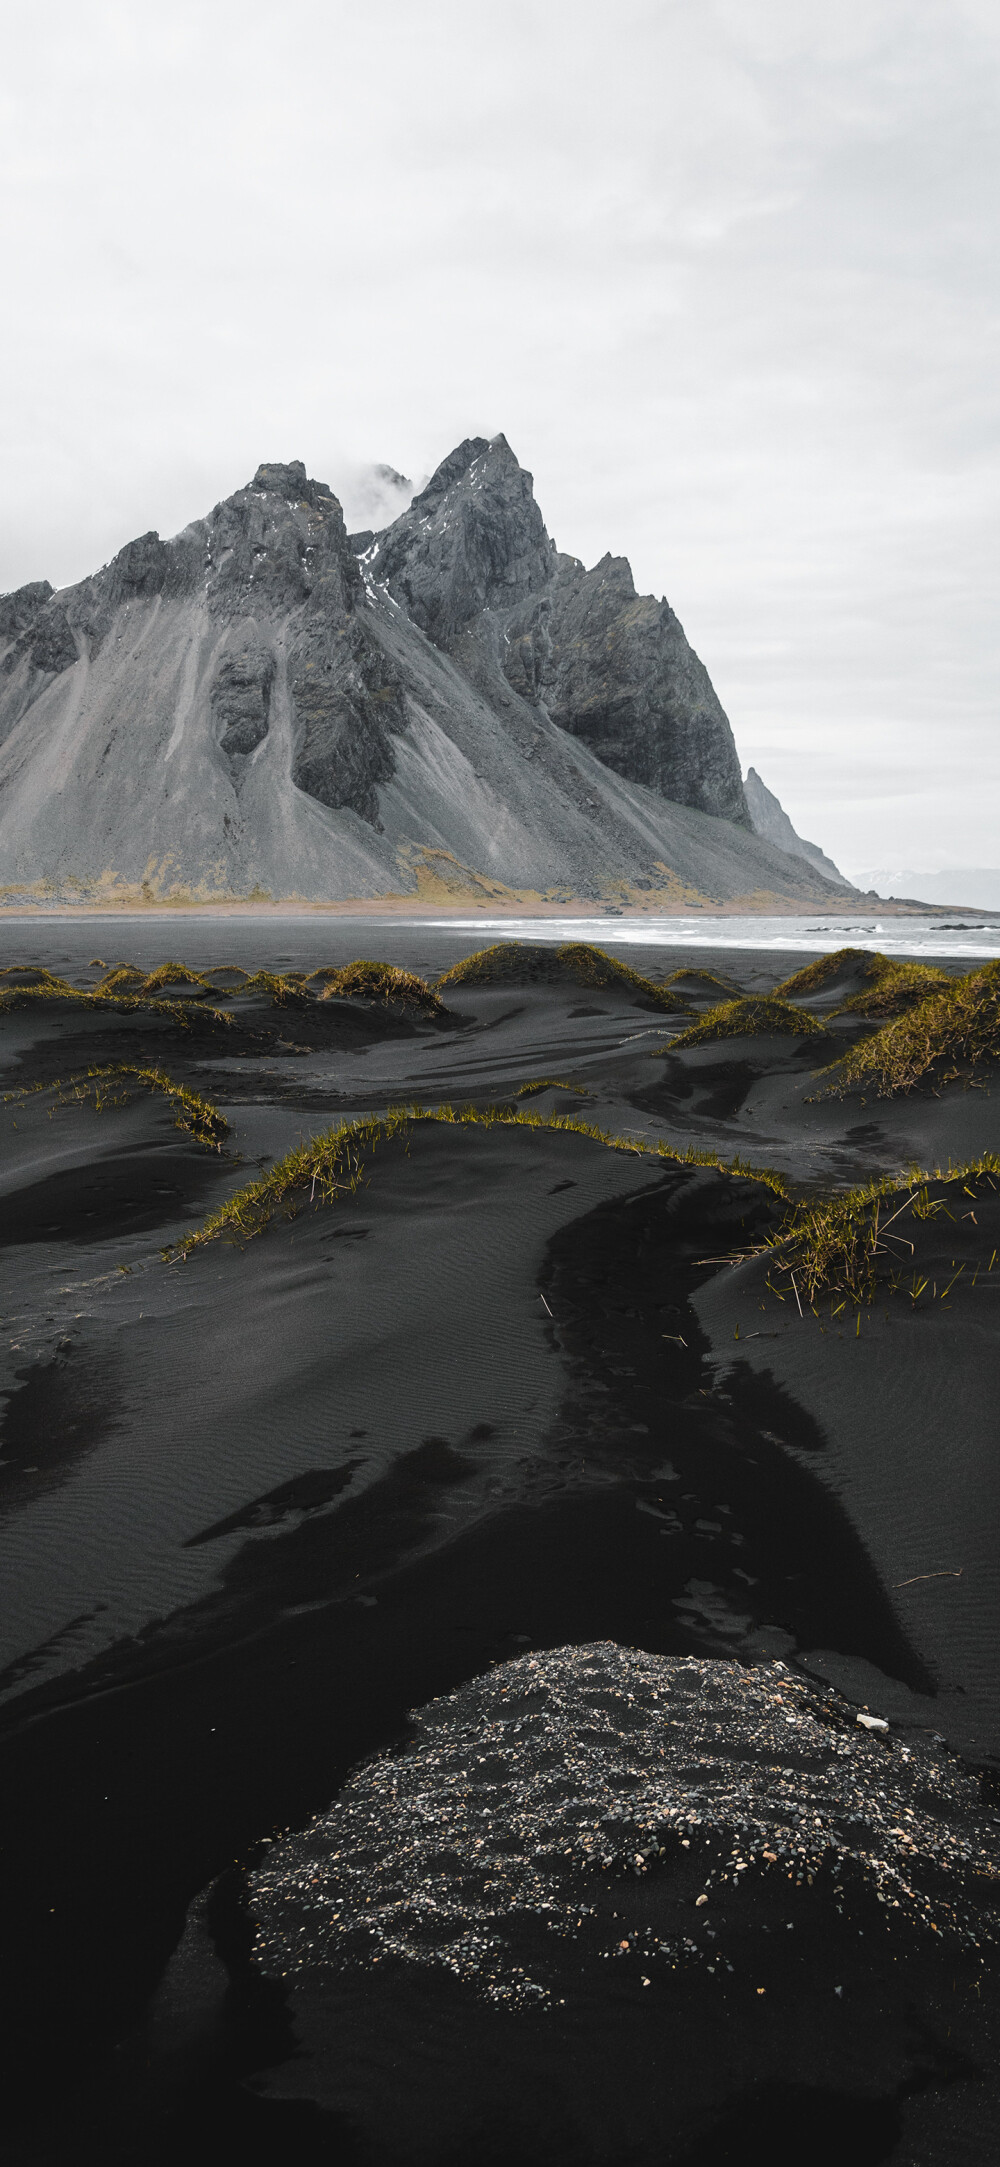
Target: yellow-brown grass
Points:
(550, 1083)
(514, 963)
(287, 989)
(702, 978)
(896, 989)
(814, 976)
(754, 1018)
(954, 1029)
(851, 1247)
(370, 981)
(333, 1164)
(176, 974)
(125, 1002)
(115, 1081)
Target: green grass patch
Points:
(954, 1029)
(333, 1164)
(758, 1017)
(854, 1246)
(526, 963)
(116, 1081)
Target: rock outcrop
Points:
(266, 705)
(611, 667)
(770, 820)
(615, 669)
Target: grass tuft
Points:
(519, 963)
(702, 978)
(753, 1018)
(175, 974)
(331, 1164)
(853, 1246)
(368, 981)
(955, 1027)
(28, 975)
(888, 986)
(814, 976)
(287, 989)
(550, 1083)
(896, 989)
(124, 1002)
(111, 1084)
(121, 978)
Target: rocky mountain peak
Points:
(473, 540)
(277, 543)
(19, 610)
(289, 479)
(314, 713)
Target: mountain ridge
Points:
(263, 705)
(771, 821)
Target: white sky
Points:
(721, 270)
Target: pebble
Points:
(521, 1795)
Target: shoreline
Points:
(420, 910)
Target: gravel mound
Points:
(505, 1828)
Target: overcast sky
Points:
(723, 271)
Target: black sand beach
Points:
(505, 1393)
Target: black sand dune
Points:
(505, 1394)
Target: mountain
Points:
(972, 887)
(771, 821)
(266, 706)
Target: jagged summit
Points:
(263, 703)
(473, 540)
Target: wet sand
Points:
(256, 1506)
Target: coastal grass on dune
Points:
(841, 962)
(116, 1081)
(885, 985)
(854, 1246)
(550, 1083)
(693, 980)
(850, 1247)
(124, 997)
(365, 980)
(954, 1029)
(171, 985)
(127, 978)
(760, 1016)
(894, 990)
(526, 963)
(332, 1164)
(286, 989)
